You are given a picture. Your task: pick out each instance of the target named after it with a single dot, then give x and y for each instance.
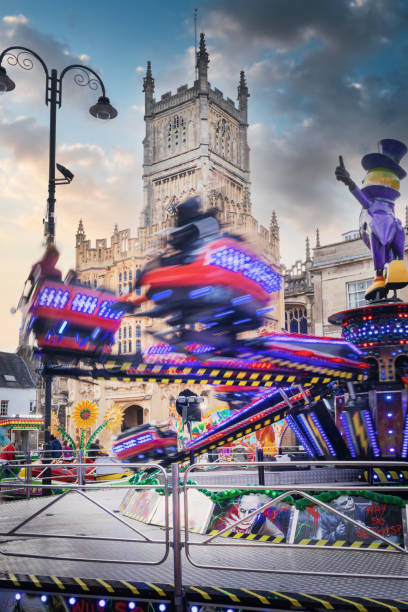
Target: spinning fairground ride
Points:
(343, 398)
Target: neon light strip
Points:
(253, 268)
(236, 418)
(368, 422)
(404, 448)
(300, 435)
(349, 437)
(310, 434)
(323, 434)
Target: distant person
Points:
(56, 448)
(67, 451)
(94, 450)
(8, 453)
(45, 267)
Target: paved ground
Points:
(76, 515)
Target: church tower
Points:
(196, 144)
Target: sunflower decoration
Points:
(85, 414)
(114, 417)
(55, 424)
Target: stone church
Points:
(195, 144)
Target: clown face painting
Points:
(272, 521)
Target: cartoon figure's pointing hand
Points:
(343, 176)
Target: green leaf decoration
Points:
(66, 435)
(95, 433)
(82, 439)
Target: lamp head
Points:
(103, 109)
(67, 174)
(6, 84)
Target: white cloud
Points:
(140, 69)
(84, 57)
(15, 19)
(138, 108)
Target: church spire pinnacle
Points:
(242, 88)
(80, 229)
(148, 81)
(308, 257)
(148, 88)
(202, 62)
(274, 226)
(80, 235)
(243, 96)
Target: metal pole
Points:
(178, 588)
(261, 469)
(49, 229)
(28, 474)
(46, 480)
(80, 467)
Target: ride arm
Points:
(343, 175)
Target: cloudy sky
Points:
(325, 77)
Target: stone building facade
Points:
(333, 278)
(195, 145)
(299, 294)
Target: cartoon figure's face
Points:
(247, 504)
(344, 503)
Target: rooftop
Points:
(14, 372)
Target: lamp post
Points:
(85, 76)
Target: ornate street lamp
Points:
(20, 56)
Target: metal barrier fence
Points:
(301, 491)
(81, 488)
(204, 543)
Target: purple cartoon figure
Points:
(380, 229)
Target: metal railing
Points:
(178, 542)
(301, 491)
(81, 488)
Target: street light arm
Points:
(82, 80)
(26, 63)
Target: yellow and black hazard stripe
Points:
(210, 376)
(305, 542)
(343, 544)
(242, 597)
(150, 591)
(86, 586)
(387, 476)
(248, 536)
(244, 431)
(278, 364)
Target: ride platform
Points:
(49, 549)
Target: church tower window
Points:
(223, 138)
(176, 132)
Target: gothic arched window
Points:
(176, 133)
(296, 319)
(223, 138)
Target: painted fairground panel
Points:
(34, 602)
(313, 524)
(143, 505)
(268, 438)
(273, 522)
(200, 511)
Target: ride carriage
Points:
(145, 442)
(70, 320)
